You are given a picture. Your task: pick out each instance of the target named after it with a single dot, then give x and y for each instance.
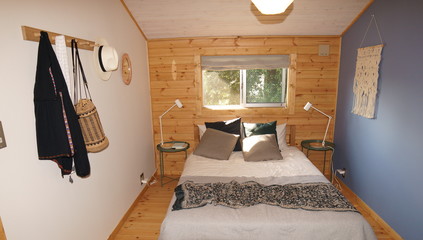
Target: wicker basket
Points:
(94, 137)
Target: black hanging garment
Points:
(59, 136)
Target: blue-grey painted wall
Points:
(384, 156)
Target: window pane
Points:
(265, 86)
(221, 87)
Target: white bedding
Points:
(294, 163)
(260, 221)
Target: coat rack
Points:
(33, 34)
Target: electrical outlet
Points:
(2, 138)
(342, 172)
(142, 181)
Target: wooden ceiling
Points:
(212, 18)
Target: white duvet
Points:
(260, 221)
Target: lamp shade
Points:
(272, 6)
(178, 103)
(308, 106)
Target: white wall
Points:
(35, 202)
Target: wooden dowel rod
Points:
(33, 34)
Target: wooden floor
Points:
(145, 220)
(2, 234)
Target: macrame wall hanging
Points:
(366, 76)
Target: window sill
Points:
(227, 107)
(238, 107)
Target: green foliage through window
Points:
(252, 87)
(221, 87)
(264, 86)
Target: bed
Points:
(259, 221)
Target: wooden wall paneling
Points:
(292, 84)
(197, 76)
(175, 72)
(302, 66)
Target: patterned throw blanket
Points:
(307, 196)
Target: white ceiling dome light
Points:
(272, 6)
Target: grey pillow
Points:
(261, 148)
(216, 144)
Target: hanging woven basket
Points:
(92, 130)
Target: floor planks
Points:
(145, 220)
(2, 234)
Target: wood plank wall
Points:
(175, 74)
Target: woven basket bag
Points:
(89, 120)
(94, 137)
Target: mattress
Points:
(260, 221)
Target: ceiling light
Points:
(272, 6)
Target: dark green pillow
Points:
(251, 129)
(230, 126)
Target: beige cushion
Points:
(261, 148)
(232, 126)
(216, 144)
(280, 135)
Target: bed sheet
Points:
(294, 163)
(260, 221)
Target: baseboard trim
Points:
(368, 211)
(131, 208)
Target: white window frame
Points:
(243, 93)
(244, 63)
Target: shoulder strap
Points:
(77, 63)
(75, 74)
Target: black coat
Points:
(52, 107)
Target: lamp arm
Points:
(326, 132)
(321, 112)
(160, 121)
(168, 110)
(327, 127)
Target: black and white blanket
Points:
(259, 221)
(307, 196)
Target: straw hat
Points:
(106, 59)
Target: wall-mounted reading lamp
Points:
(177, 103)
(307, 107)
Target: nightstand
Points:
(170, 147)
(316, 145)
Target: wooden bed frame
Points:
(290, 134)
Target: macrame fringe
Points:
(366, 80)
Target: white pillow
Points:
(281, 132)
(201, 130)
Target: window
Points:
(247, 81)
